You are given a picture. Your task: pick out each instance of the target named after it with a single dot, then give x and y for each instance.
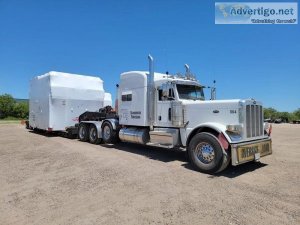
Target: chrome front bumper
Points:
(250, 151)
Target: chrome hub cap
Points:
(106, 132)
(205, 152)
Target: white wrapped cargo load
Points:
(57, 99)
(107, 99)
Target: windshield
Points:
(192, 92)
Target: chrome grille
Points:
(254, 121)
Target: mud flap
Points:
(226, 154)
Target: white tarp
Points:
(107, 99)
(57, 99)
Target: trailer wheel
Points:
(93, 135)
(83, 132)
(205, 153)
(109, 136)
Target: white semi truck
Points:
(171, 112)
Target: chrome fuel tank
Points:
(134, 135)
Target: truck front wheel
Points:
(83, 132)
(205, 153)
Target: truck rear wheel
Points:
(93, 135)
(83, 132)
(108, 133)
(205, 153)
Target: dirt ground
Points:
(54, 180)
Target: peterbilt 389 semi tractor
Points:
(170, 111)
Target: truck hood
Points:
(222, 112)
(217, 114)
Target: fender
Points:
(113, 122)
(210, 125)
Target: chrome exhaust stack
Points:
(150, 92)
(187, 68)
(188, 74)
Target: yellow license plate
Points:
(250, 152)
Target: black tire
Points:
(83, 132)
(93, 135)
(206, 154)
(109, 135)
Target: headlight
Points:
(234, 128)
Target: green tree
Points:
(285, 116)
(6, 105)
(21, 110)
(270, 113)
(297, 114)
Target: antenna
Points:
(213, 91)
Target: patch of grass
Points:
(11, 119)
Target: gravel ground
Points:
(54, 180)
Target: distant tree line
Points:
(10, 108)
(273, 114)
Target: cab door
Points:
(163, 109)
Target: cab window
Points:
(127, 98)
(190, 92)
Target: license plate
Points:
(253, 151)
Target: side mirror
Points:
(165, 89)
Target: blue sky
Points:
(106, 38)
